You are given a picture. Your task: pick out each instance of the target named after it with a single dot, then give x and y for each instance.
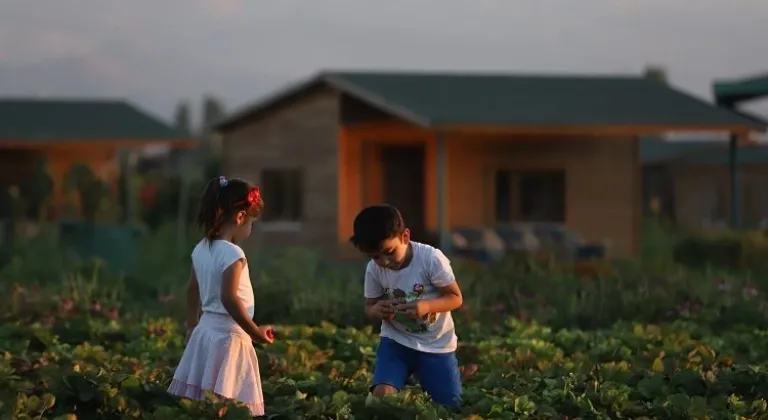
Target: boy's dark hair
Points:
(222, 199)
(374, 225)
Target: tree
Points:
(182, 118)
(37, 190)
(213, 111)
(656, 72)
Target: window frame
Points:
(279, 179)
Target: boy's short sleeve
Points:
(228, 255)
(440, 270)
(373, 288)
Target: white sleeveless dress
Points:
(219, 355)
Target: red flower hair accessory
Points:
(254, 197)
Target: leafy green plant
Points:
(91, 190)
(37, 191)
(636, 341)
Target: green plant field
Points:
(640, 340)
(92, 367)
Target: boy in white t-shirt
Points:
(411, 288)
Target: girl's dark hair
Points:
(222, 199)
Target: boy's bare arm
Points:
(449, 300)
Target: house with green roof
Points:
(711, 182)
(64, 132)
(688, 182)
(458, 149)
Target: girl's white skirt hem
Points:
(219, 357)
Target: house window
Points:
(282, 191)
(531, 196)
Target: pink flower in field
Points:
(48, 320)
(95, 306)
(695, 307)
(67, 304)
(750, 290)
(112, 313)
(723, 286)
(166, 298)
(498, 307)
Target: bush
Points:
(724, 250)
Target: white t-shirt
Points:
(209, 262)
(428, 270)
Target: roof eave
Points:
(331, 79)
(36, 143)
(377, 101)
(723, 146)
(275, 98)
(597, 129)
(739, 90)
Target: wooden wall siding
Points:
(302, 134)
(694, 184)
(16, 165)
(101, 159)
(603, 179)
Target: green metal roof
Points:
(59, 119)
(434, 99)
(692, 152)
(734, 91)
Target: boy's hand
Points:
(415, 309)
(382, 310)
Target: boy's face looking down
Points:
(392, 251)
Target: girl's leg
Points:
(440, 378)
(392, 367)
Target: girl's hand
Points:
(266, 334)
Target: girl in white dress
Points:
(219, 354)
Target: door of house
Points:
(404, 185)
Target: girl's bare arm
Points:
(234, 305)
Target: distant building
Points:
(65, 132)
(454, 150)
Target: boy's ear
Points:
(406, 236)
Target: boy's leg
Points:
(440, 378)
(391, 369)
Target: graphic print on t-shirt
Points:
(399, 296)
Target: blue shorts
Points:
(438, 373)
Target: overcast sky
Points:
(156, 52)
